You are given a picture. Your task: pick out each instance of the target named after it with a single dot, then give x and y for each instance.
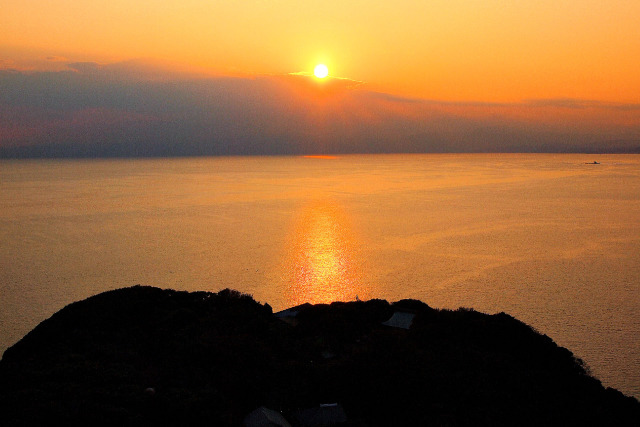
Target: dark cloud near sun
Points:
(54, 58)
(583, 104)
(140, 109)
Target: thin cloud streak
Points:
(330, 77)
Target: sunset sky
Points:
(452, 75)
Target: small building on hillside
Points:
(265, 417)
(400, 319)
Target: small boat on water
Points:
(592, 163)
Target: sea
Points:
(551, 239)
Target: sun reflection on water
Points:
(321, 258)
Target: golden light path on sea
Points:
(322, 256)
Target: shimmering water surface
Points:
(547, 238)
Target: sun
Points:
(321, 71)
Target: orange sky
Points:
(452, 50)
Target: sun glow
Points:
(321, 71)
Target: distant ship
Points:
(592, 163)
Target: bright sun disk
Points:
(321, 71)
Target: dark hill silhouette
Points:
(146, 356)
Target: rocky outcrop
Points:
(143, 356)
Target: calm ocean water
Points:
(547, 238)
